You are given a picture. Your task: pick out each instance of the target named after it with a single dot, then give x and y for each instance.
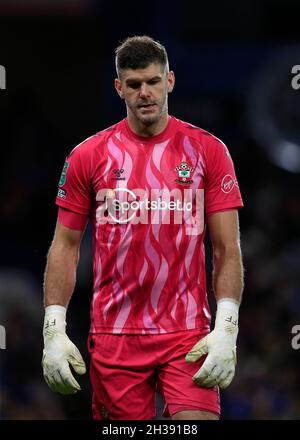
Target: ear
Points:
(171, 81)
(118, 87)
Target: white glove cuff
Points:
(227, 315)
(56, 309)
(55, 320)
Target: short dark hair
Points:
(138, 52)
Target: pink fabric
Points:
(149, 268)
(71, 219)
(124, 372)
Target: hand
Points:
(58, 352)
(220, 347)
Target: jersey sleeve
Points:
(221, 190)
(74, 188)
(71, 219)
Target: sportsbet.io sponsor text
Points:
(122, 205)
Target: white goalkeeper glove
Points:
(58, 352)
(220, 345)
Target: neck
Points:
(154, 129)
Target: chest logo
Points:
(184, 173)
(118, 174)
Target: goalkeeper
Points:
(150, 317)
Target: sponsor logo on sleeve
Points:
(228, 183)
(63, 176)
(62, 193)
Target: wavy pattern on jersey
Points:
(153, 182)
(148, 322)
(152, 254)
(179, 237)
(123, 302)
(122, 157)
(97, 282)
(191, 256)
(126, 142)
(115, 152)
(173, 310)
(163, 241)
(153, 169)
(154, 179)
(154, 262)
(187, 301)
(107, 168)
(153, 277)
(143, 272)
(127, 165)
(191, 311)
(203, 260)
(190, 151)
(122, 299)
(108, 305)
(184, 307)
(124, 243)
(196, 160)
(158, 152)
(190, 253)
(159, 284)
(187, 249)
(182, 289)
(119, 136)
(111, 238)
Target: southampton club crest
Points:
(184, 173)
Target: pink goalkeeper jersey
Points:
(147, 199)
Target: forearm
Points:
(228, 274)
(60, 274)
(220, 344)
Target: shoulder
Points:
(209, 145)
(94, 142)
(208, 142)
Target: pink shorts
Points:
(125, 371)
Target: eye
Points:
(134, 85)
(153, 81)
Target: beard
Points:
(152, 117)
(149, 120)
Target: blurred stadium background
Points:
(233, 63)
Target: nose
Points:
(144, 90)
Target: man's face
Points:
(145, 92)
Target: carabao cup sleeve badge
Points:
(63, 176)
